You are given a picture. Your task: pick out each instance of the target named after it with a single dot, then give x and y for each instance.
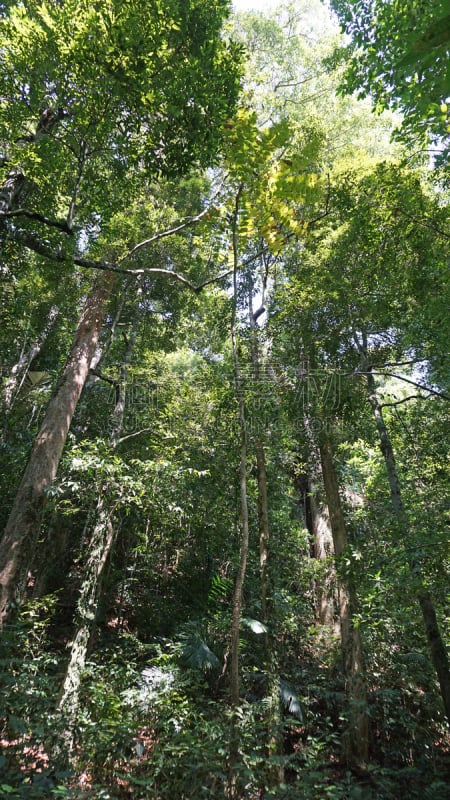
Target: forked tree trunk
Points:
(16, 546)
(356, 741)
(437, 647)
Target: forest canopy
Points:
(398, 53)
(224, 400)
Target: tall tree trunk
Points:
(275, 768)
(244, 521)
(99, 550)
(58, 553)
(437, 647)
(16, 546)
(356, 743)
(244, 527)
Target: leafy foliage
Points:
(399, 54)
(334, 239)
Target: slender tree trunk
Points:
(240, 577)
(244, 522)
(100, 545)
(244, 530)
(100, 548)
(16, 546)
(356, 745)
(275, 768)
(53, 561)
(437, 647)
(20, 369)
(264, 539)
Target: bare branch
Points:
(103, 377)
(292, 84)
(402, 363)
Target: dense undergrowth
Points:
(155, 720)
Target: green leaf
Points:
(254, 625)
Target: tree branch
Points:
(406, 380)
(423, 224)
(44, 249)
(404, 400)
(157, 236)
(103, 377)
(52, 223)
(145, 430)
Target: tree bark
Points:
(100, 545)
(317, 523)
(356, 742)
(323, 552)
(15, 185)
(16, 546)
